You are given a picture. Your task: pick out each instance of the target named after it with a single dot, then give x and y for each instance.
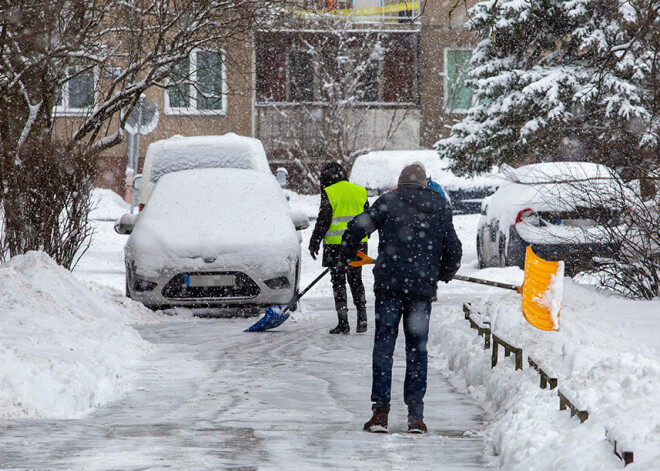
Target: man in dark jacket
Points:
(341, 201)
(418, 247)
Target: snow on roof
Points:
(227, 151)
(232, 215)
(380, 170)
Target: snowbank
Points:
(64, 347)
(608, 371)
(107, 205)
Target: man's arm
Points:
(452, 251)
(322, 225)
(360, 226)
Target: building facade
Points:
(362, 75)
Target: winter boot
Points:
(378, 422)
(361, 322)
(416, 426)
(342, 325)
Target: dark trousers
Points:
(338, 276)
(391, 306)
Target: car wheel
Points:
(128, 293)
(502, 251)
(481, 263)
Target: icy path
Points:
(217, 398)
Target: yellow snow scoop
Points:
(542, 288)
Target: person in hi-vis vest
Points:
(341, 201)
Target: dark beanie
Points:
(413, 174)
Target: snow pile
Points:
(64, 347)
(380, 171)
(600, 368)
(107, 205)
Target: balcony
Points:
(369, 11)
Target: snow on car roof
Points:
(561, 171)
(552, 186)
(232, 215)
(380, 170)
(227, 151)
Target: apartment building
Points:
(340, 79)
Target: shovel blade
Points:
(542, 291)
(274, 317)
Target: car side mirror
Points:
(300, 220)
(125, 224)
(137, 182)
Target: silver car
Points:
(213, 238)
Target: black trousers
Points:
(339, 275)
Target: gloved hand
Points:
(313, 250)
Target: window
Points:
(197, 85)
(77, 95)
(458, 95)
(368, 81)
(320, 67)
(301, 76)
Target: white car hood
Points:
(250, 229)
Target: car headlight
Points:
(281, 282)
(144, 285)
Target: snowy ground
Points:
(80, 389)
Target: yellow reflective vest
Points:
(347, 201)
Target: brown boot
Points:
(417, 426)
(378, 422)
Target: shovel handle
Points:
(496, 284)
(300, 295)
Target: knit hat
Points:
(413, 174)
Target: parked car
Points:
(213, 238)
(558, 208)
(182, 153)
(379, 171)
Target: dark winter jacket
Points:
(330, 175)
(418, 245)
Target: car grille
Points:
(244, 287)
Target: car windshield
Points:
(228, 151)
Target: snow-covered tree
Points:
(561, 80)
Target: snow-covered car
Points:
(558, 208)
(183, 153)
(213, 238)
(379, 172)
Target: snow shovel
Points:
(542, 288)
(276, 315)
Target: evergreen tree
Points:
(561, 80)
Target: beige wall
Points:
(438, 33)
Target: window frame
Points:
(192, 80)
(64, 109)
(446, 81)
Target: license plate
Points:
(198, 281)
